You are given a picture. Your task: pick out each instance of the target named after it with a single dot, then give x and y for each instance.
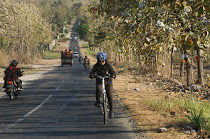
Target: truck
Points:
(67, 57)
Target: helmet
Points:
(101, 56)
(13, 63)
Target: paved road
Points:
(60, 105)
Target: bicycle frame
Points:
(105, 104)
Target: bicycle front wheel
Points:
(105, 111)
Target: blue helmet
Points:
(101, 56)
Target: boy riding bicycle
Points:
(102, 68)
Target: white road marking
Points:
(29, 113)
(40, 105)
(58, 88)
(67, 102)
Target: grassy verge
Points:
(196, 112)
(88, 51)
(52, 55)
(85, 45)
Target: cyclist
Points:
(102, 67)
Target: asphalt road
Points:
(60, 105)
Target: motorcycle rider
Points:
(12, 73)
(102, 67)
(71, 52)
(86, 59)
(66, 53)
(80, 59)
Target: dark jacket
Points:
(106, 69)
(9, 70)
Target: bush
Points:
(85, 45)
(196, 119)
(199, 111)
(62, 35)
(90, 52)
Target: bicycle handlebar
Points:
(105, 77)
(101, 77)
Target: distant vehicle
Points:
(75, 39)
(66, 58)
(76, 54)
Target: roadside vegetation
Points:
(153, 34)
(28, 27)
(88, 52)
(149, 39)
(52, 55)
(197, 112)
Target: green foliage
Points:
(196, 118)
(76, 7)
(159, 84)
(66, 31)
(58, 13)
(177, 104)
(100, 37)
(147, 25)
(199, 111)
(110, 38)
(62, 35)
(138, 80)
(89, 52)
(82, 29)
(160, 105)
(85, 45)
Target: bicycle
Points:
(105, 104)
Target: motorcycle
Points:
(12, 89)
(86, 65)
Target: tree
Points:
(147, 28)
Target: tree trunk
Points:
(188, 74)
(172, 60)
(200, 68)
(156, 62)
(191, 67)
(139, 60)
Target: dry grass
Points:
(148, 120)
(4, 59)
